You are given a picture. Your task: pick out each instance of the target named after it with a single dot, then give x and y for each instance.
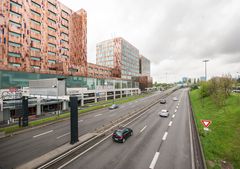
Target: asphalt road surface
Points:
(157, 143)
(21, 148)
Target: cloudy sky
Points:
(176, 35)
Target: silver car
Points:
(164, 113)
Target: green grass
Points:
(96, 106)
(223, 141)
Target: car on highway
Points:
(162, 101)
(164, 113)
(121, 135)
(114, 106)
(175, 99)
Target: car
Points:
(121, 135)
(175, 99)
(164, 113)
(162, 101)
(114, 106)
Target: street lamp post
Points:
(205, 61)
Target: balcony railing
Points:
(35, 63)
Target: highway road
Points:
(157, 143)
(21, 148)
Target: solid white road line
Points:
(80, 121)
(165, 136)
(63, 135)
(170, 123)
(43, 133)
(98, 115)
(173, 115)
(143, 129)
(154, 161)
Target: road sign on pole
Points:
(206, 123)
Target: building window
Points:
(36, 4)
(15, 34)
(12, 54)
(35, 13)
(35, 49)
(65, 20)
(52, 61)
(52, 21)
(65, 12)
(35, 58)
(15, 14)
(51, 4)
(14, 44)
(52, 29)
(52, 53)
(52, 45)
(66, 27)
(15, 4)
(18, 25)
(52, 13)
(35, 40)
(36, 67)
(15, 64)
(35, 31)
(35, 22)
(65, 49)
(51, 37)
(64, 56)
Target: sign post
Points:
(206, 124)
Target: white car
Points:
(164, 113)
(175, 99)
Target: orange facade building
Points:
(42, 36)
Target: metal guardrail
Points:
(200, 162)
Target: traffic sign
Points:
(206, 123)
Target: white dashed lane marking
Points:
(42, 134)
(165, 136)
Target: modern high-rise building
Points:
(120, 55)
(144, 66)
(42, 36)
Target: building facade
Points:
(40, 36)
(120, 55)
(144, 66)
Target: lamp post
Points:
(205, 61)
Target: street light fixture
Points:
(205, 61)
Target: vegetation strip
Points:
(221, 145)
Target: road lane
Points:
(137, 151)
(22, 148)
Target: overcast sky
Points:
(176, 35)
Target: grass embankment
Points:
(95, 106)
(222, 143)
